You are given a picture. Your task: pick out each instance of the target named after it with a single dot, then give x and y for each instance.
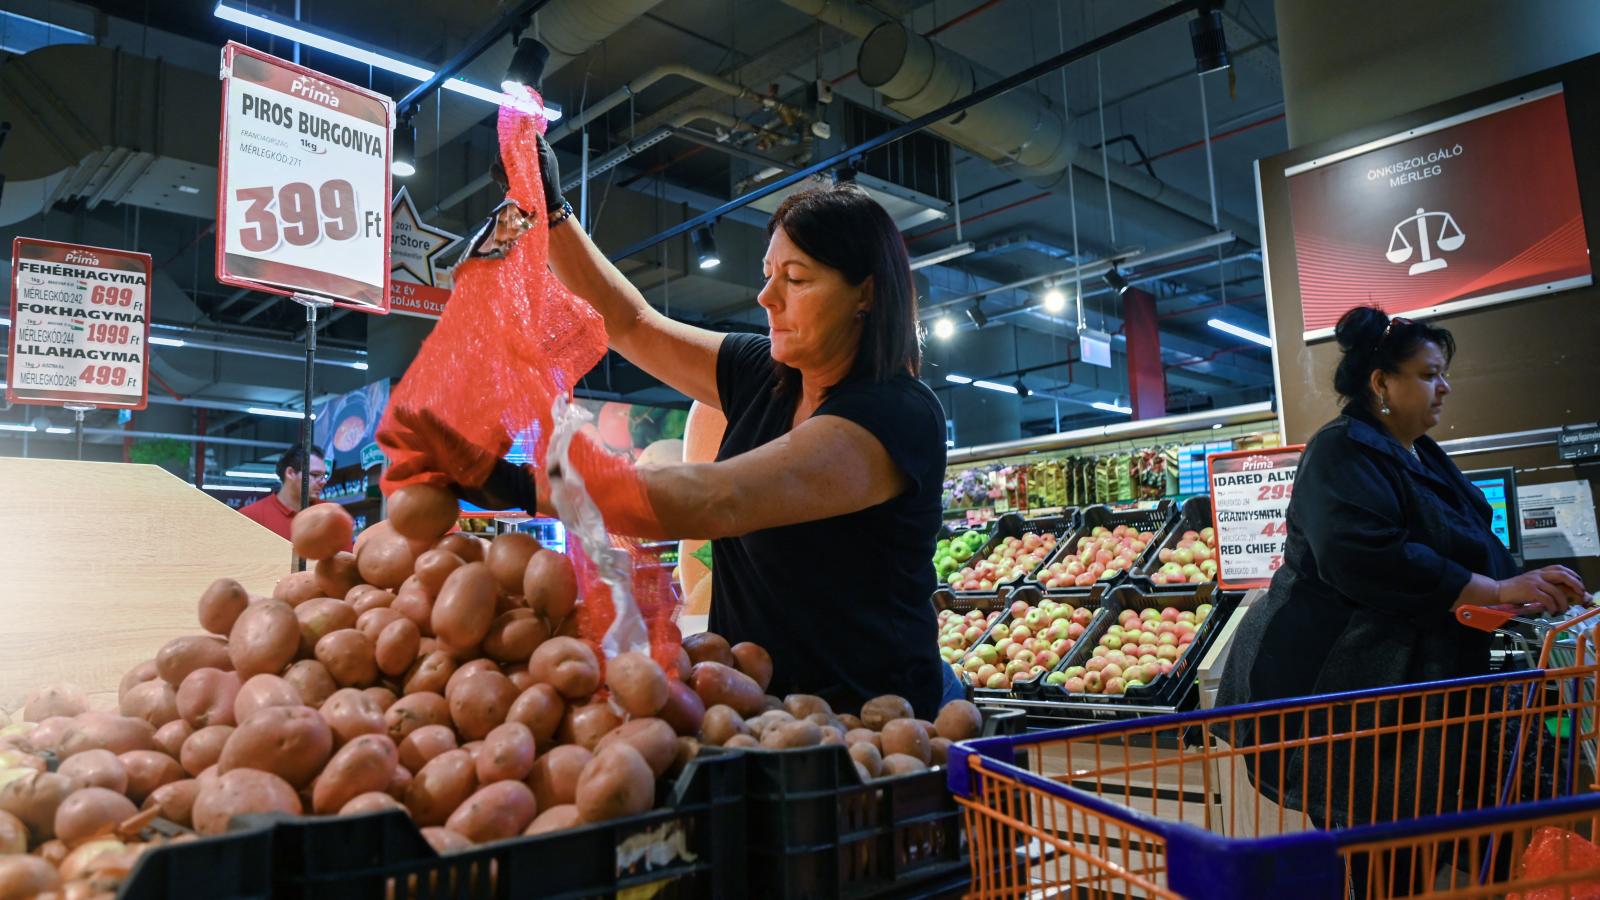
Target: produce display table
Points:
(103, 563)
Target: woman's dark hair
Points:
(844, 228)
(1370, 341)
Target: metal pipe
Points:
(512, 19)
(189, 438)
(621, 95)
(1087, 48)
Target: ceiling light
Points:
(359, 366)
(1236, 331)
(944, 328)
(274, 412)
(958, 379)
(12, 426)
(705, 247)
(4, 321)
(1111, 407)
(1115, 281)
(341, 47)
(403, 162)
(527, 67)
(246, 473)
(1054, 300)
(1209, 41)
(251, 488)
(188, 189)
(166, 342)
(1022, 389)
(56, 429)
(977, 315)
(994, 386)
(954, 251)
(1216, 426)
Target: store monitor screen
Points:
(1499, 487)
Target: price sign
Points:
(1250, 493)
(304, 189)
(80, 325)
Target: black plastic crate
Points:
(1014, 525)
(1033, 596)
(1167, 689)
(233, 866)
(816, 832)
(1193, 515)
(1154, 520)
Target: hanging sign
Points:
(419, 285)
(1250, 492)
(1475, 209)
(303, 195)
(80, 325)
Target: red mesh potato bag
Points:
(1556, 852)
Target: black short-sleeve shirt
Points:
(841, 603)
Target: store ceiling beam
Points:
(1131, 430)
(512, 21)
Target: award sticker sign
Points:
(1250, 492)
(80, 325)
(303, 198)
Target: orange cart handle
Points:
(1488, 618)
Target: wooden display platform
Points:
(102, 563)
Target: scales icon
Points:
(1450, 237)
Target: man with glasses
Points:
(275, 511)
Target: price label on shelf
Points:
(80, 325)
(304, 185)
(1250, 493)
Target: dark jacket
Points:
(1380, 545)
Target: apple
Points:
(1092, 682)
(1056, 678)
(1115, 685)
(1074, 685)
(997, 681)
(1168, 652)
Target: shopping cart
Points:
(1435, 789)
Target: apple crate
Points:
(1015, 525)
(1155, 520)
(1168, 689)
(1090, 600)
(817, 832)
(1193, 515)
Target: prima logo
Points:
(82, 257)
(316, 91)
(1257, 463)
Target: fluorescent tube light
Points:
(958, 379)
(12, 426)
(57, 429)
(278, 413)
(166, 342)
(1112, 407)
(1236, 331)
(954, 251)
(995, 386)
(252, 488)
(246, 473)
(359, 366)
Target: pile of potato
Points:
(433, 673)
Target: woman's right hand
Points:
(1553, 587)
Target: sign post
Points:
(1250, 492)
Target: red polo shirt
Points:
(270, 512)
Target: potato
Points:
(119, 734)
(465, 546)
(296, 588)
(370, 802)
(424, 743)
(415, 603)
(350, 713)
(465, 669)
(57, 700)
(494, 812)
(720, 684)
(568, 665)
(518, 673)
(372, 622)
(52, 852)
(145, 671)
(654, 739)
(13, 835)
(867, 757)
(440, 787)
(373, 598)
(180, 656)
(321, 530)
(940, 747)
(348, 655)
(433, 567)
(465, 606)
(907, 738)
(382, 696)
(616, 783)
(414, 711)
(154, 702)
(802, 705)
(175, 799)
(430, 673)
(768, 720)
(23, 877)
(203, 748)
(508, 559)
(444, 841)
(586, 725)
(292, 742)
(169, 738)
(684, 709)
(147, 770)
(259, 692)
(399, 782)
(320, 617)
(789, 735)
(770, 703)
(742, 741)
(720, 724)
(863, 735)
(753, 660)
(480, 702)
(423, 512)
(708, 647)
(637, 684)
(241, 791)
(34, 797)
(507, 754)
(959, 720)
(879, 710)
(554, 778)
(363, 765)
(207, 696)
(91, 812)
(311, 681)
(395, 648)
(97, 768)
(848, 722)
(541, 708)
(48, 734)
(550, 585)
(514, 635)
(556, 818)
(336, 575)
(263, 640)
(104, 860)
(384, 557)
(927, 728)
(901, 764)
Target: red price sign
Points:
(1250, 494)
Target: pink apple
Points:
(1075, 685)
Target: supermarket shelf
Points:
(1250, 413)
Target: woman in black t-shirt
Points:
(824, 501)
